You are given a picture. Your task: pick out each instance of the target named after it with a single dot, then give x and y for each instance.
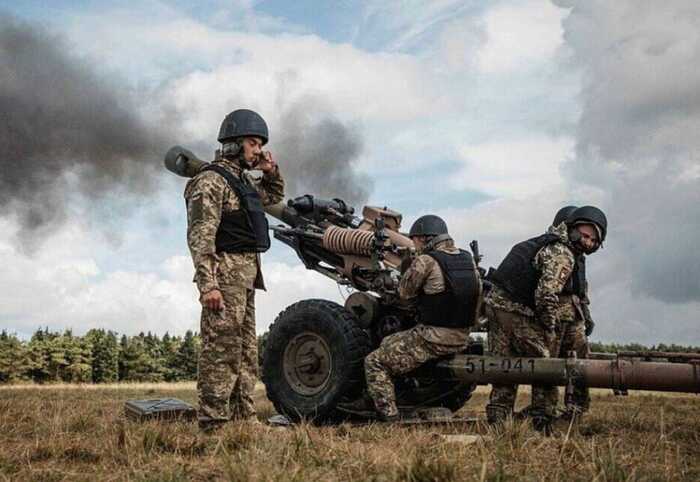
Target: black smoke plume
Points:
(320, 154)
(60, 119)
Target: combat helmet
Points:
(589, 215)
(241, 123)
(563, 214)
(428, 225)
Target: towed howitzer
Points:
(314, 356)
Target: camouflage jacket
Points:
(208, 195)
(555, 262)
(425, 276)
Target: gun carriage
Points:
(314, 353)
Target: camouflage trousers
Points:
(398, 354)
(228, 362)
(573, 338)
(513, 334)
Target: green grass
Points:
(79, 433)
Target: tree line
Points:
(99, 356)
(102, 356)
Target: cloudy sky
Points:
(491, 114)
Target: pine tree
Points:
(79, 359)
(105, 355)
(123, 347)
(13, 359)
(186, 359)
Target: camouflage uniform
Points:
(516, 330)
(573, 338)
(405, 351)
(228, 360)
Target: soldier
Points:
(445, 285)
(576, 322)
(226, 232)
(576, 326)
(525, 307)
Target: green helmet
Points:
(242, 123)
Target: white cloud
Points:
(514, 169)
(406, 23)
(519, 35)
(62, 286)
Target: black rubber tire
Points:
(347, 342)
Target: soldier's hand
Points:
(213, 300)
(266, 163)
(589, 327)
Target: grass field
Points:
(79, 433)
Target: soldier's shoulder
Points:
(425, 260)
(557, 250)
(422, 264)
(205, 181)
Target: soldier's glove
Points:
(590, 324)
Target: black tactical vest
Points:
(577, 283)
(244, 230)
(518, 276)
(456, 306)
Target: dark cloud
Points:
(65, 126)
(638, 136)
(320, 154)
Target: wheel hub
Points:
(307, 363)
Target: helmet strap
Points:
(230, 149)
(436, 240)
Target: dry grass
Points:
(79, 433)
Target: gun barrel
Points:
(620, 374)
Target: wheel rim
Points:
(307, 363)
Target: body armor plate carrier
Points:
(518, 276)
(456, 306)
(244, 230)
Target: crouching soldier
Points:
(575, 317)
(444, 283)
(525, 304)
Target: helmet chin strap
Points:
(230, 150)
(436, 240)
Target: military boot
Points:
(209, 425)
(543, 424)
(362, 407)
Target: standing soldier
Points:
(444, 283)
(226, 232)
(527, 303)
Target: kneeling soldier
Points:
(445, 285)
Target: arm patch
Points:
(195, 208)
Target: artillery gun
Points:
(314, 353)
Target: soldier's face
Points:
(418, 242)
(252, 149)
(589, 237)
